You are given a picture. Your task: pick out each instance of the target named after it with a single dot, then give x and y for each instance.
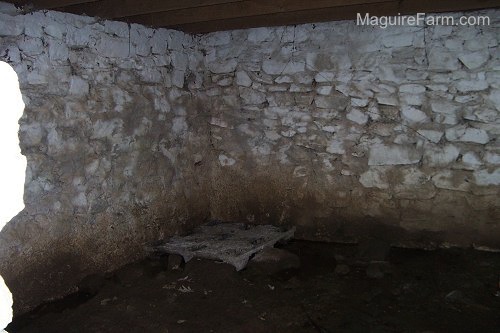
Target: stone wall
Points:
(134, 134)
(114, 140)
(349, 131)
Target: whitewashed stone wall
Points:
(111, 133)
(341, 129)
(133, 134)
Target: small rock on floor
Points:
(455, 296)
(174, 261)
(273, 260)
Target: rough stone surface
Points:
(442, 60)
(329, 137)
(436, 156)
(413, 115)
(467, 134)
(110, 157)
(357, 117)
(486, 178)
(393, 155)
(374, 177)
(401, 128)
(466, 86)
(431, 135)
(475, 60)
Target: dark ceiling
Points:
(199, 16)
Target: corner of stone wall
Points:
(344, 130)
(115, 138)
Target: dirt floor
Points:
(338, 288)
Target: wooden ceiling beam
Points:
(239, 9)
(199, 16)
(114, 9)
(288, 18)
(440, 6)
(257, 13)
(51, 4)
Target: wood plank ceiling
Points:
(200, 16)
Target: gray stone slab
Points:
(232, 243)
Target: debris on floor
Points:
(331, 291)
(232, 243)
